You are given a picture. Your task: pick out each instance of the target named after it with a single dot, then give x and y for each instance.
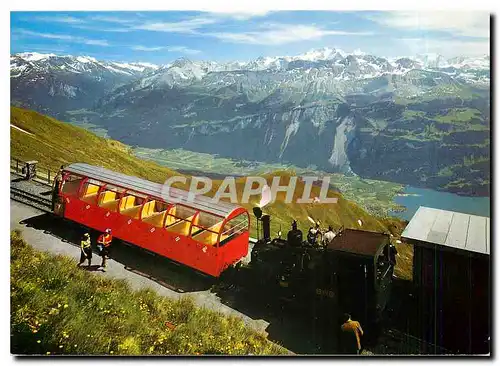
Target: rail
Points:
(402, 344)
(31, 199)
(44, 174)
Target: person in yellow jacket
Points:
(104, 246)
(351, 335)
(85, 249)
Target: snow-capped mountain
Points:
(271, 108)
(338, 64)
(31, 61)
(344, 66)
(54, 84)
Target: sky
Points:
(160, 37)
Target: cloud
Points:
(59, 19)
(64, 37)
(464, 23)
(147, 49)
(45, 35)
(96, 42)
(182, 49)
(111, 19)
(178, 49)
(190, 25)
(241, 15)
(102, 29)
(445, 47)
(276, 34)
(45, 49)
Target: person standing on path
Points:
(351, 335)
(104, 246)
(86, 250)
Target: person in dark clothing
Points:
(313, 234)
(294, 236)
(85, 249)
(393, 252)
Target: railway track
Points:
(31, 199)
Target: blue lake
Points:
(443, 200)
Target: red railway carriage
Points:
(200, 233)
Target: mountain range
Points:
(422, 120)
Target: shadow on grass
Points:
(158, 269)
(92, 268)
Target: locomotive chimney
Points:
(266, 227)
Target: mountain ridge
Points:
(352, 106)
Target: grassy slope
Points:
(457, 115)
(54, 143)
(58, 309)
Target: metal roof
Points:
(450, 229)
(152, 189)
(366, 243)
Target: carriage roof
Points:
(154, 190)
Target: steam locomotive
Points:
(352, 274)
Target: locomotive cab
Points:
(363, 273)
(352, 274)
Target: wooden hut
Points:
(451, 272)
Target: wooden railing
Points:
(43, 174)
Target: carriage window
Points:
(90, 191)
(180, 218)
(90, 188)
(131, 204)
(71, 184)
(112, 188)
(207, 220)
(207, 223)
(160, 206)
(139, 201)
(139, 198)
(110, 197)
(180, 213)
(235, 227)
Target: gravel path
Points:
(33, 187)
